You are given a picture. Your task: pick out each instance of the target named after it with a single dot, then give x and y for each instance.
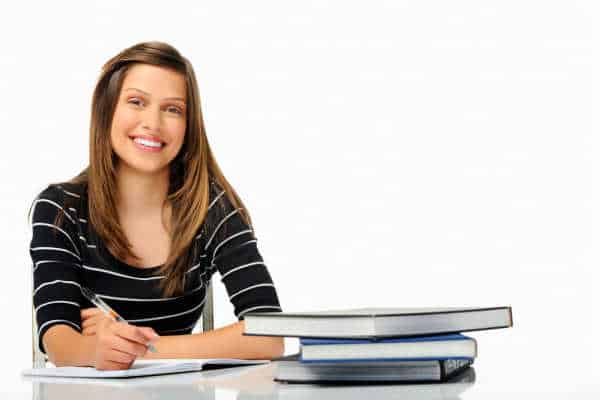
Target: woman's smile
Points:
(146, 144)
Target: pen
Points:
(98, 302)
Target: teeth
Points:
(148, 143)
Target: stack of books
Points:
(378, 344)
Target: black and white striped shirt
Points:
(68, 256)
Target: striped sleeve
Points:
(232, 248)
(56, 264)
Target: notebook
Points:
(144, 368)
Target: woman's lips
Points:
(147, 148)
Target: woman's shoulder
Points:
(219, 202)
(63, 192)
(214, 189)
(72, 189)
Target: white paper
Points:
(141, 368)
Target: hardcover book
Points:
(290, 369)
(400, 349)
(373, 323)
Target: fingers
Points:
(149, 333)
(89, 324)
(86, 323)
(118, 344)
(107, 365)
(141, 335)
(93, 316)
(111, 342)
(90, 312)
(90, 331)
(90, 317)
(120, 357)
(132, 339)
(126, 346)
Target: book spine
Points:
(452, 367)
(379, 360)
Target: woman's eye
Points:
(172, 109)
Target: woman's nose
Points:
(151, 118)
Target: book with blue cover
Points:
(438, 347)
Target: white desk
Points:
(255, 382)
(248, 383)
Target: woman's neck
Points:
(140, 193)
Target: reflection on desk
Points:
(437, 391)
(246, 383)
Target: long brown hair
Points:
(190, 172)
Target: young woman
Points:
(145, 226)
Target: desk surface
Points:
(256, 382)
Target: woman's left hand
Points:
(90, 318)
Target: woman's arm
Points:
(231, 246)
(225, 342)
(115, 345)
(67, 347)
(56, 257)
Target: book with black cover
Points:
(372, 323)
(290, 369)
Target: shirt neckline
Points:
(144, 271)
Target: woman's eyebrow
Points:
(148, 94)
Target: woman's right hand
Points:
(118, 344)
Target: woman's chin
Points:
(144, 168)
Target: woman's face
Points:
(149, 122)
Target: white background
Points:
(391, 153)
